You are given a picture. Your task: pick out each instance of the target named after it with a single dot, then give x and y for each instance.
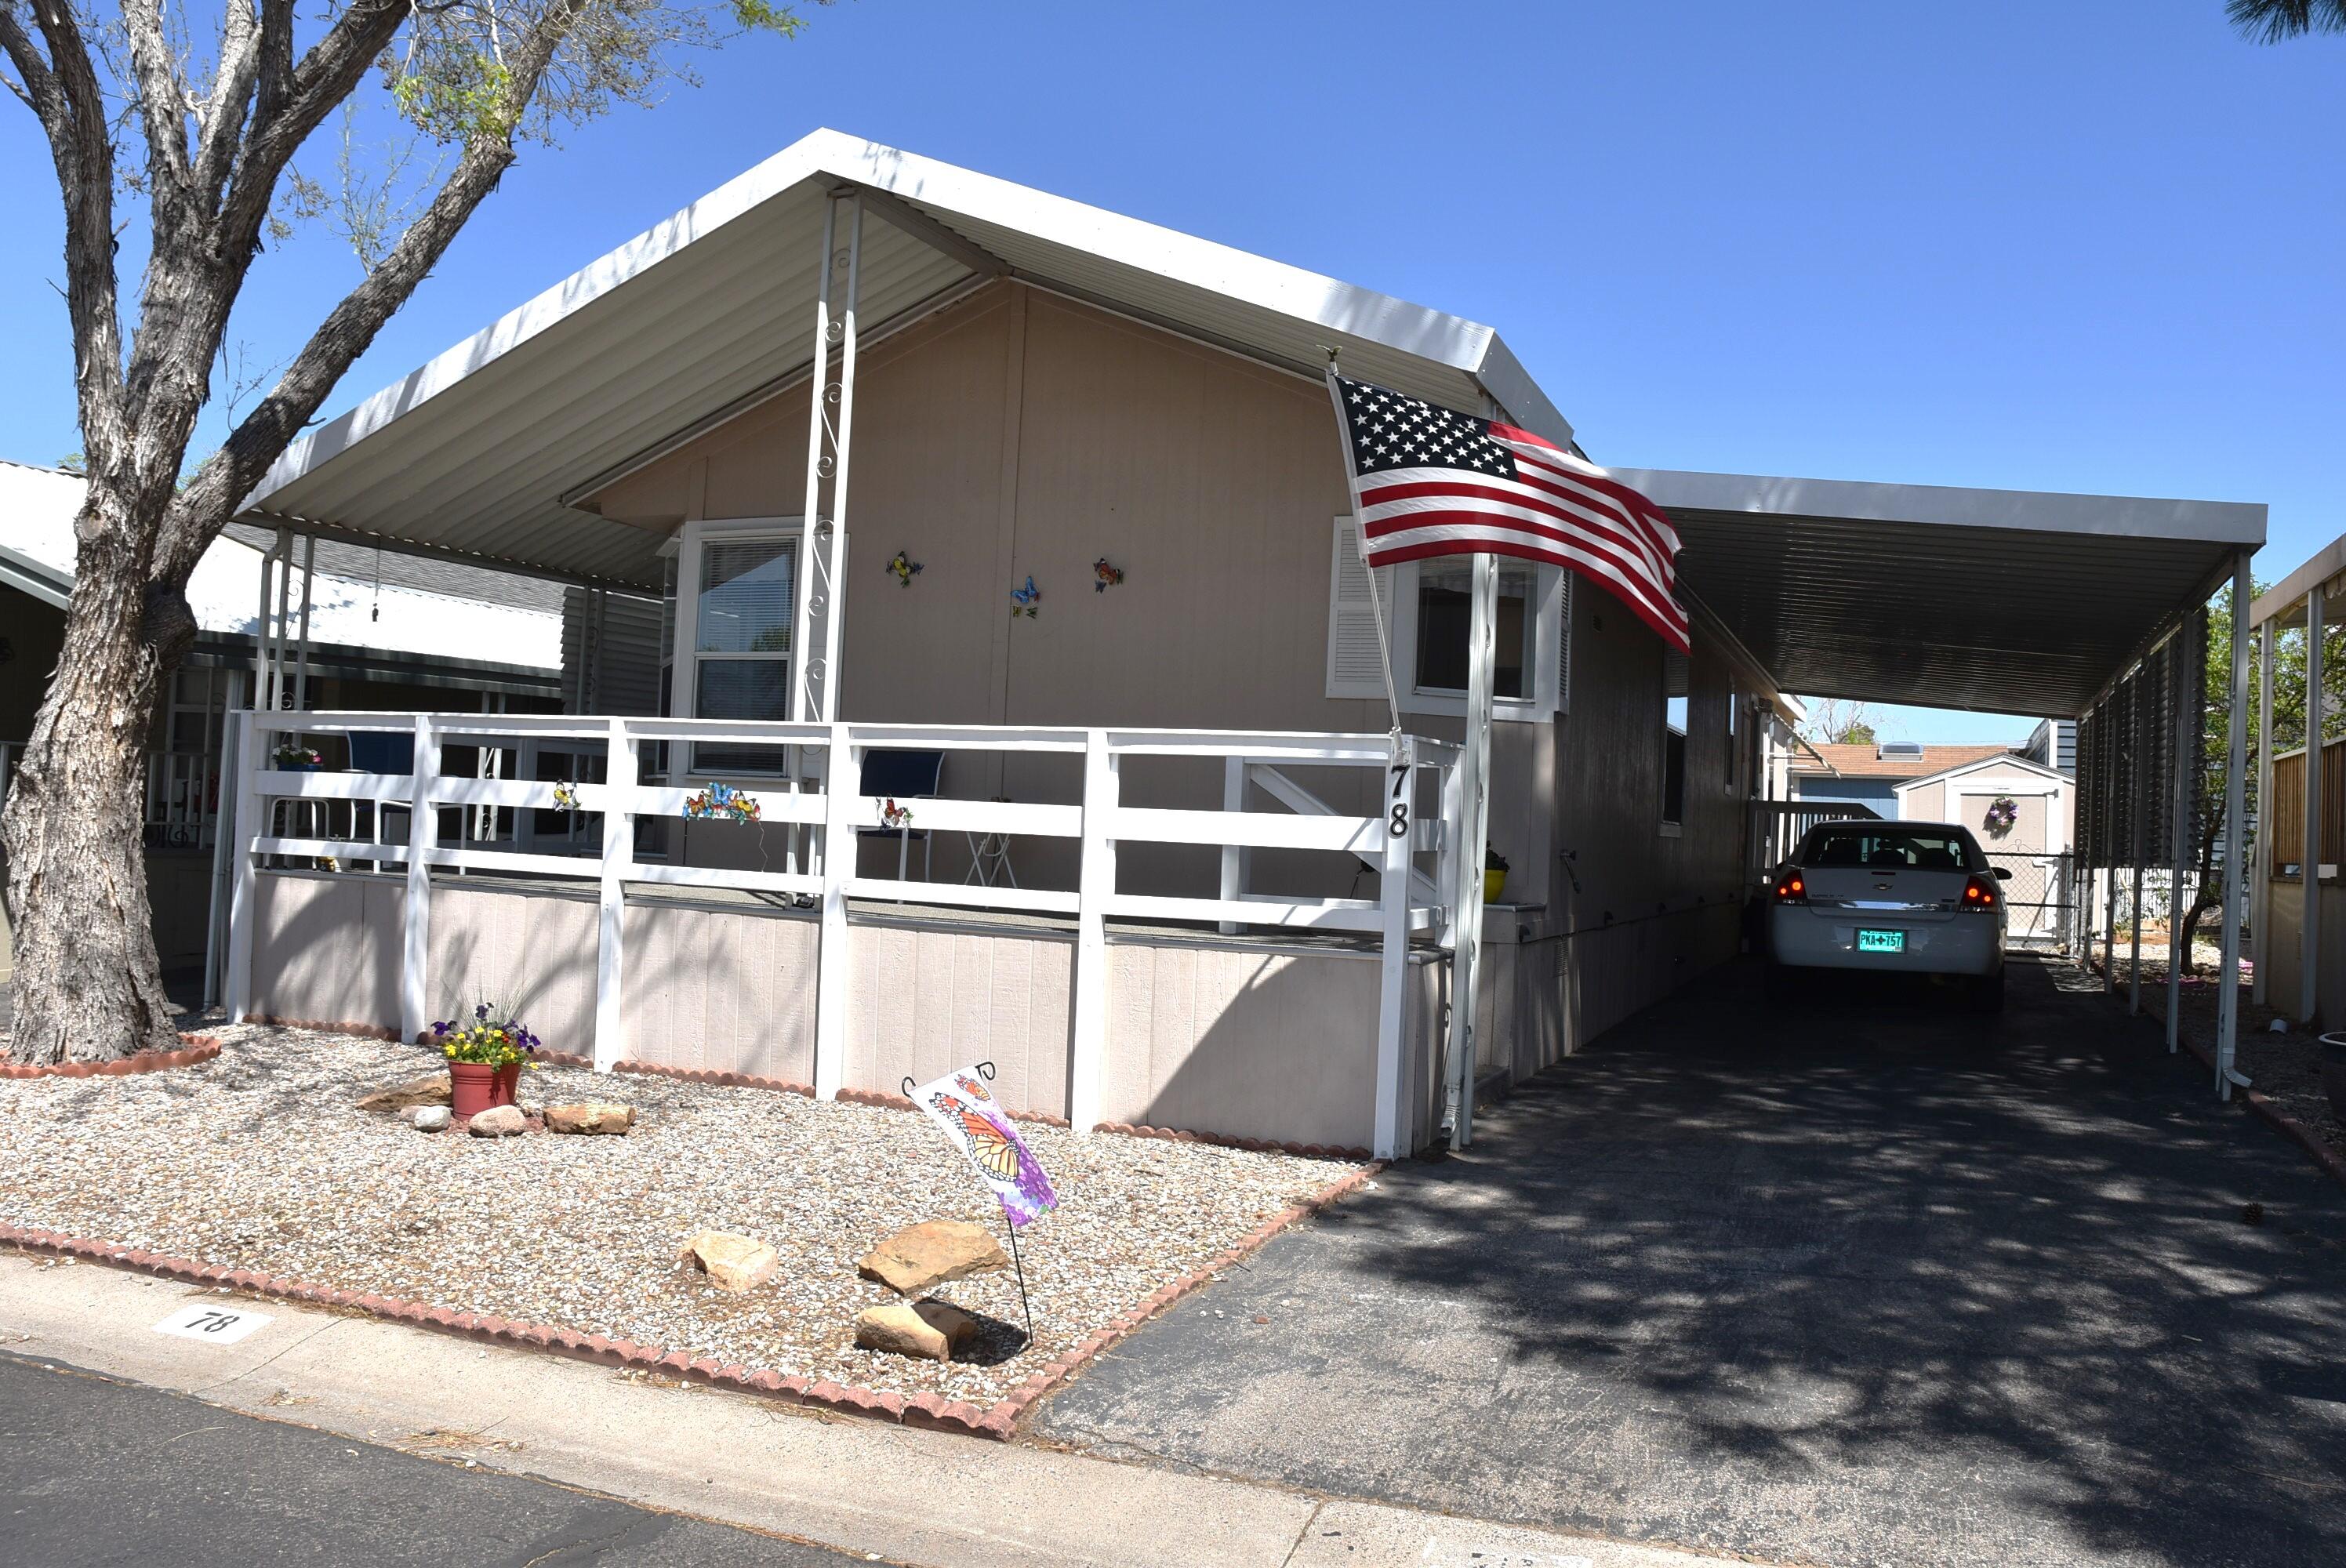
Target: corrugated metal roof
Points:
(474, 452)
(2001, 601)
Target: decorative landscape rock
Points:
(427, 1118)
(498, 1122)
(592, 1116)
(733, 1262)
(922, 1257)
(432, 1089)
(927, 1331)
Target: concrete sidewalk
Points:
(900, 1493)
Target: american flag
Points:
(1429, 481)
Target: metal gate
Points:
(2035, 898)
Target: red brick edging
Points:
(2280, 1121)
(930, 1411)
(199, 1048)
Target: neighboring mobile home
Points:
(386, 631)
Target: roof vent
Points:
(1900, 750)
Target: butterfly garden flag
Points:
(961, 1103)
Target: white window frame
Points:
(685, 663)
(1547, 634)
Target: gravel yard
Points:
(261, 1160)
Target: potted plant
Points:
(292, 757)
(485, 1058)
(1495, 874)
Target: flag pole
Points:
(1361, 543)
(1482, 662)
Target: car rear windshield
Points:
(1887, 848)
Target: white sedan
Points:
(1914, 897)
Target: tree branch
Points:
(229, 475)
(72, 108)
(276, 72)
(224, 116)
(38, 91)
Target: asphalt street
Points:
(102, 1474)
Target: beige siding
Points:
(328, 948)
(1242, 1041)
(1238, 1040)
(1924, 803)
(719, 989)
(926, 1001)
(1021, 435)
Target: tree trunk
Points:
(88, 986)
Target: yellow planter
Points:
(1493, 884)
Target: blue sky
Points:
(2090, 245)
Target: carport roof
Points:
(489, 448)
(2003, 601)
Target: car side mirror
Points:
(2001, 873)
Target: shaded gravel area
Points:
(260, 1160)
(2284, 1067)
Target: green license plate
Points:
(1880, 940)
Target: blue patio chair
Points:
(902, 776)
(382, 751)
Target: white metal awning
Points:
(2003, 601)
(487, 450)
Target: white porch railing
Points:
(1411, 770)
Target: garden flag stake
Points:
(1429, 482)
(961, 1103)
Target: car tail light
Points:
(1791, 890)
(1979, 893)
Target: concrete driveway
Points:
(1862, 1284)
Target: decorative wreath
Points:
(2002, 814)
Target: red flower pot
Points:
(476, 1086)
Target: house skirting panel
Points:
(1232, 1036)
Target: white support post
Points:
(611, 922)
(1393, 977)
(2188, 732)
(2260, 896)
(278, 689)
(843, 785)
(2108, 871)
(1481, 658)
(1453, 833)
(2227, 993)
(2309, 1003)
(422, 835)
(2139, 790)
(834, 620)
(1234, 856)
(301, 659)
(1095, 885)
(819, 463)
(242, 825)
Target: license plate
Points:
(1880, 940)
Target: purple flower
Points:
(482, 1012)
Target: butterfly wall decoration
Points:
(717, 801)
(1023, 601)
